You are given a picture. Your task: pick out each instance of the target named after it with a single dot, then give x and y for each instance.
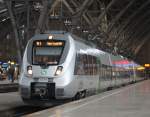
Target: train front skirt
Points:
(42, 90)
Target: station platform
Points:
(130, 101)
(8, 86)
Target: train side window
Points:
(76, 65)
(103, 72)
(94, 61)
(95, 65)
(88, 64)
(98, 66)
(85, 62)
(81, 65)
(92, 70)
(91, 64)
(89, 67)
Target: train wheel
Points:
(84, 94)
(77, 96)
(80, 95)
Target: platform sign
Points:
(140, 68)
(147, 65)
(5, 65)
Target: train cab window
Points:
(45, 54)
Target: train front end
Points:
(47, 69)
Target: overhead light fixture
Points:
(147, 65)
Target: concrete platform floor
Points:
(130, 101)
(8, 86)
(10, 100)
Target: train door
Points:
(113, 75)
(110, 76)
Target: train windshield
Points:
(47, 52)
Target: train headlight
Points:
(50, 37)
(29, 70)
(58, 71)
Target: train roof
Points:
(62, 35)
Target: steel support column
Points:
(137, 49)
(104, 12)
(83, 8)
(13, 21)
(73, 12)
(119, 15)
(134, 26)
(138, 37)
(131, 18)
(28, 20)
(43, 17)
(134, 35)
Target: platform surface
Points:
(129, 101)
(8, 86)
(10, 100)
